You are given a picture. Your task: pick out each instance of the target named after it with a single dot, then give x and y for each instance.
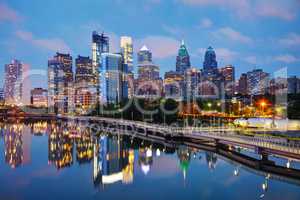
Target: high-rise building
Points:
(1, 95)
(39, 97)
(228, 74)
(192, 78)
(257, 82)
(243, 84)
(210, 63)
(85, 89)
(60, 84)
(293, 85)
(100, 44)
(173, 84)
(148, 82)
(144, 55)
(182, 59)
(127, 53)
(113, 85)
(13, 84)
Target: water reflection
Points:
(114, 158)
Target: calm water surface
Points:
(58, 160)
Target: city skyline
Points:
(244, 47)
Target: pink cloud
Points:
(52, 44)
(286, 58)
(232, 35)
(8, 14)
(285, 10)
(292, 39)
(160, 46)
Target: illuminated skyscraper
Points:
(113, 85)
(228, 75)
(100, 44)
(13, 84)
(127, 53)
(60, 84)
(148, 81)
(257, 82)
(210, 63)
(144, 55)
(85, 90)
(182, 59)
(173, 84)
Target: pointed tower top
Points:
(182, 42)
(144, 48)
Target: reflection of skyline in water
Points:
(112, 158)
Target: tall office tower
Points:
(100, 44)
(293, 85)
(85, 90)
(228, 75)
(183, 59)
(192, 78)
(257, 81)
(210, 63)
(60, 84)
(148, 81)
(39, 97)
(243, 84)
(113, 85)
(127, 53)
(144, 55)
(13, 84)
(173, 84)
(1, 96)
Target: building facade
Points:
(173, 85)
(113, 87)
(13, 83)
(85, 90)
(183, 59)
(228, 75)
(60, 84)
(293, 85)
(243, 84)
(39, 97)
(257, 82)
(126, 46)
(144, 55)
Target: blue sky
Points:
(245, 33)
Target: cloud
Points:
(160, 46)
(251, 59)
(292, 39)
(273, 9)
(206, 23)
(286, 58)
(223, 54)
(285, 10)
(232, 35)
(8, 14)
(52, 44)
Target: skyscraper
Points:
(100, 44)
(144, 55)
(148, 81)
(210, 63)
(293, 85)
(113, 86)
(1, 95)
(228, 75)
(243, 84)
(173, 82)
(182, 59)
(192, 78)
(60, 84)
(85, 90)
(13, 84)
(127, 53)
(257, 82)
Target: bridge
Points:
(227, 138)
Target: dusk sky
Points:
(245, 33)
